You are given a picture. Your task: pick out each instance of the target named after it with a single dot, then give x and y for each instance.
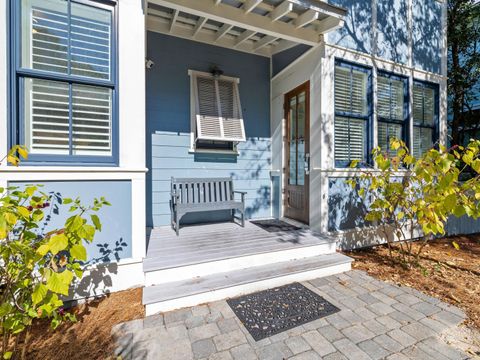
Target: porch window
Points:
(64, 81)
(218, 122)
(425, 117)
(352, 113)
(392, 95)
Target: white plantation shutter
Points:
(218, 111)
(390, 94)
(351, 119)
(387, 131)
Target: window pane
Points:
(45, 35)
(45, 38)
(418, 104)
(301, 140)
(91, 120)
(383, 95)
(293, 142)
(342, 89)
(359, 93)
(422, 140)
(90, 41)
(397, 96)
(46, 109)
(207, 97)
(387, 131)
(226, 92)
(429, 106)
(350, 139)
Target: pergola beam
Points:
(247, 34)
(306, 18)
(281, 10)
(223, 31)
(174, 20)
(198, 26)
(249, 5)
(250, 21)
(266, 40)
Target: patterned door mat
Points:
(273, 311)
(273, 225)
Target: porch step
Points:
(201, 289)
(222, 248)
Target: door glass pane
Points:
(301, 140)
(293, 142)
(46, 109)
(90, 41)
(45, 35)
(91, 120)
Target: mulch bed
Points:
(443, 271)
(89, 337)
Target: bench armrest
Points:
(240, 192)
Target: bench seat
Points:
(204, 194)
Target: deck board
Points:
(211, 242)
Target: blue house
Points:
(115, 98)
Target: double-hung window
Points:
(352, 113)
(64, 81)
(425, 117)
(392, 113)
(217, 122)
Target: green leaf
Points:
(450, 202)
(8, 355)
(43, 249)
(455, 245)
(96, 222)
(79, 252)
(22, 210)
(74, 223)
(87, 232)
(57, 243)
(60, 282)
(37, 215)
(5, 308)
(39, 293)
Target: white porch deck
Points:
(214, 261)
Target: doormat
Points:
(273, 311)
(273, 225)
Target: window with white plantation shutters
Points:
(425, 117)
(67, 85)
(218, 114)
(352, 113)
(391, 110)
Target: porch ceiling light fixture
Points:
(216, 71)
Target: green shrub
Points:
(38, 268)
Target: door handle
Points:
(307, 163)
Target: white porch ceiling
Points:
(263, 27)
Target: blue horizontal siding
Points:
(115, 239)
(168, 126)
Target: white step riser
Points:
(214, 267)
(242, 289)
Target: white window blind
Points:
(218, 114)
(390, 94)
(424, 118)
(351, 114)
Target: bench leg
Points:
(177, 224)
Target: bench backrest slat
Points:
(203, 190)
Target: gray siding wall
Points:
(168, 126)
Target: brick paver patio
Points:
(377, 321)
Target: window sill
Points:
(213, 151)
(70, 169)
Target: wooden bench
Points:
(204, 194)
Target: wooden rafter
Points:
(250, 21)
(173, 20)
(266, 40)
(249, 5)
(306, 18)
(281, 10)
(247, 34)
(223, 31)
(198, 26)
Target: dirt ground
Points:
(89, 337)
(450, 274)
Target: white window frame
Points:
(194, 109)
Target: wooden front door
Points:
(297, 141)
